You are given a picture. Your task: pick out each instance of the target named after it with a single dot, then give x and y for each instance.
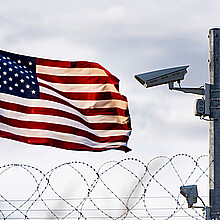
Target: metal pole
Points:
(214, 126)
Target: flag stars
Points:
(17, 76)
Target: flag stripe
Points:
(39, 133)
(115, 118)
(73, 65)
(82, 87)
(86, 95)
(60, 128)
(75, 79)
(50, 95)
(51, 111)
(59, 144)
(64, 121)
(52, 105)
(57, 71)
(95, 123)
(68, 64)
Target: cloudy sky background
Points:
(126, 37)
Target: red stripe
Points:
(75, 79)
(90, 111)
(60, 113)
(87, 95)
(61, 128)
(47, 111)
(58, 100)
(57, 143)
(76, 64)
(68, 64)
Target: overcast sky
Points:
(126, 37)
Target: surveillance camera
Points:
(163, 76)
(191, 194)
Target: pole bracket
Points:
(204, 91)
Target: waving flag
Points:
(64, 104)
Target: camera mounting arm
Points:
(202, 106)
(198, 91)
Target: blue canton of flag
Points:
(18, 76)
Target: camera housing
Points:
(199, 107)
(162, 76)
(191, 194)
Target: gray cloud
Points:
(126, 37)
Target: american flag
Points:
(64, 104)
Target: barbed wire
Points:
(125, 189)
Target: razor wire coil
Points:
(46, 202)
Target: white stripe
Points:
(58, 106)
(86, 104)
(39, 103)
(59, 120)
(55, 135)
(59, 71)
(81, 87)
